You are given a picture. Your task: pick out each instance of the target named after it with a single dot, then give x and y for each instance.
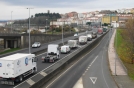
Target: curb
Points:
(79, 84)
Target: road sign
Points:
(93, 79)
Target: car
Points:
(76, 34)
(36, 44)
(94, 35)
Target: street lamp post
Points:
(116, 48)
(29, 32)
(46, 26)
(62, 35)
(11, 21)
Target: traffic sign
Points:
(93, 79)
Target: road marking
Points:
(93, 79)
(102, 70)
(30, 82)
(43, 73)
(93, 60)
(58, 61)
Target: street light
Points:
(29, 32)
(46, 26)
(116, 48)
(62, 35)
(11, 21)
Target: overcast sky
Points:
(58, 6)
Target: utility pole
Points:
(62, 35)
(116, 48)
(29, 32)
(46, 26)
(11, 21)
(52, 25)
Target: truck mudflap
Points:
(7, 82)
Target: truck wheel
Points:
(21, 78)
(34, 70)
(53, 60)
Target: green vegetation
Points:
(124, 52)
(10, 50)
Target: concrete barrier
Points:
(45, 75)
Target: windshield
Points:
(36, 42)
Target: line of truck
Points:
(15, 67)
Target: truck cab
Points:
(53, 53)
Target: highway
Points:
(93, 64)
(41, 65)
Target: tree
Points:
(128, 36)
(105, 24)
(88, 23)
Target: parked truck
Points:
(72, 43)
(53, 53)
(14, 68)
(82, 39)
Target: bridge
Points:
(17, 40)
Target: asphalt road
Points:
(93, 64)
(41, 65)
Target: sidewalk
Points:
(121, 77)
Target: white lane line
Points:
(93, 61)
(103, 70)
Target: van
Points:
(65, 49)
(83, 40)
(72, 44)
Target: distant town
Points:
(54, 20)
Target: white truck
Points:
(72, 43)
(53, 53)
(14, 68)
(89, 37)
(65, 49)
(82, 39)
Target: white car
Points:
(36, 44)
(75, 34)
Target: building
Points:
(109, 19)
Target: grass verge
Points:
(123, 53)
(10, 50)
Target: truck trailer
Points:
(14, 68)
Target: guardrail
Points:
(40, 78)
